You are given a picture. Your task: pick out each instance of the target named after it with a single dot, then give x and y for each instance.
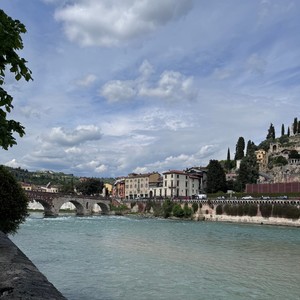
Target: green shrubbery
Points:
(266, 210)
(178, 211)
(239, 209)
(195, 207)
(219, 209)
(286, 211)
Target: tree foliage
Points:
(295, 126)
(271, 132)
(282, 130)
(239, 149)
(178, 211)
(11, 41)
(167, 208)
(228, 163)
(216, 179)
(248, 171)
(91, 186)
(13, 203)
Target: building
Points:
(108, 189)
(262, 159)
(180, 184)
(119, 188)
(156, 188)
(138, 185)
(26, 186)
(201, 173)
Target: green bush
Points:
(286, 211)
(240, 210)
(167, 208)
(219, 209)
(187, 211)
(266, 210)
(195, 207)
(178, 211)
(251, 210)
(13, 203)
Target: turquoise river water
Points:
(110, 257)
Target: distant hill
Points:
(44, 177)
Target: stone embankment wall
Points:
(19, 277)
(212, 216)
(207, 213)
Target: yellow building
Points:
(262, 159)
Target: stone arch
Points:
(104, 207)
(48, 208)
(79, 208)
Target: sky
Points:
(124, 86)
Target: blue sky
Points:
(125, 86)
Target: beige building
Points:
(138, 185)
(262, 159)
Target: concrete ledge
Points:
(19, 277)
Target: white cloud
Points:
(112, 22)
(79, 135)
(171, 86)
(118, 90)
(101, 169)
(14, 164)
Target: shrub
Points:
(13, 203)
(252, 211)
(240, 210)
(167, 208)
(195, 207)
(187, 211)
(219, 209)
(266, 210)
(286, 211)
(178, 211)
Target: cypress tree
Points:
(295, 126)
(271, 132)
(298, 128)
(228, 161)
(239, 150)
(288, 132)
(250, 148)
(282, 130)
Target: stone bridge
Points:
(52, 202)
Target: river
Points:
(115, 257)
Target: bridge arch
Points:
(104, 207)
(48, 207)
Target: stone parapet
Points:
(20, 278)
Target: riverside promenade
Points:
(20, 278)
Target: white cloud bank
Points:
(112, 22)
(171, 86)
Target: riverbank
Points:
(20, 278)
(250, 220)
